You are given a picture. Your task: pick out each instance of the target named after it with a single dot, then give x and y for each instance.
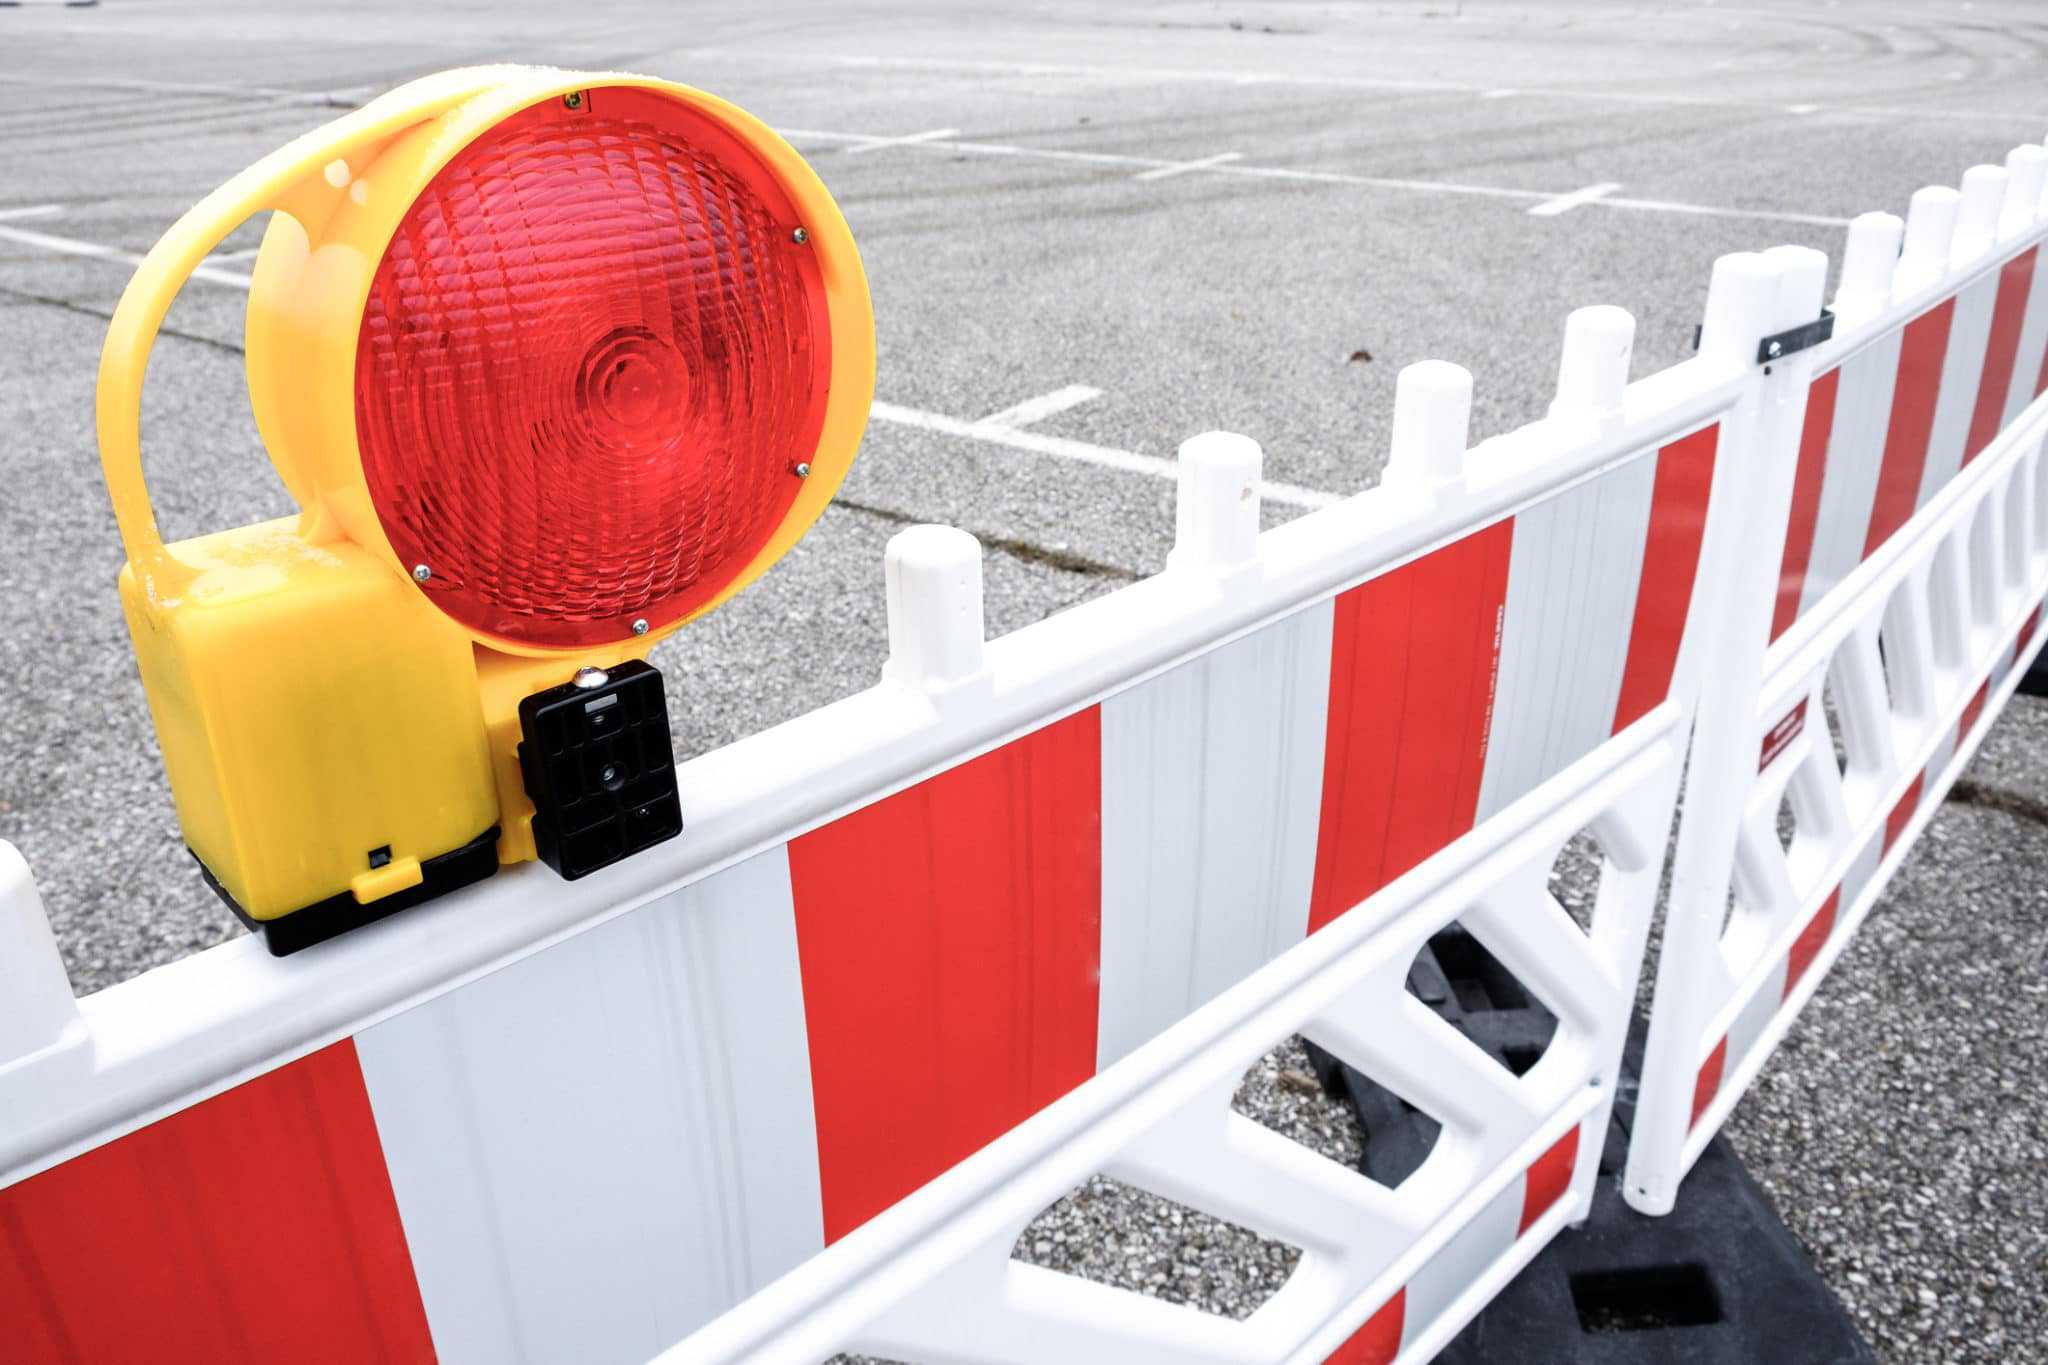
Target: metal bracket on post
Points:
(1793, 339)
(1790, 341)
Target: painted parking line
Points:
(1224, 75)
(1183, 167)
(1292, 174)
(326, 99)
(1060, 447)
(871, 144)
(1038, 409)
(998, 428)
(71, 246)
(1565, 203)
(31, 211)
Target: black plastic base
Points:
(322, 920)
(2034, 682)
(1718, 1281)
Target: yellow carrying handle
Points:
(270, 184)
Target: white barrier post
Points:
(1592, 371)
(1752, 296)
(1216, 508)
(1868, 260)
(936, 636)
(2026, 171)
(1977, 217)
(1432, 425)
(1930, 228)
(36, 1004)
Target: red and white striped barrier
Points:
(1912, 567)
(1141, 842)
(1025, 912)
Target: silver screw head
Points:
(1777, 348)
(590, 678)
(800, 236)
(640, 626)
(421, 573)
(802, 469)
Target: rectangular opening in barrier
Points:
(1644, 1298)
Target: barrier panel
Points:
(1025, 912)
(1907, 531)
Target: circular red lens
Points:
(591, 358)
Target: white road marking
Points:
(1565, 203)
(332, 99)
(871, 144)
(71, 246)
(32, 211)
(1182, 168)
(1238, 76)
(1801, 108)
(1038, 409)
(990, 430)
(1497, 94)
(1322, 177)
(1060, 447)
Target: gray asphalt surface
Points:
(1903, 1129)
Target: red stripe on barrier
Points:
(2027, 628)
(1671, 558)
(1806, 487)
(1973, 710)
(2015, 282)
(1379, 1340)
(1811, 938)
(1708, 1083)
(1548, 1178)
(950, 942)
(258, 1225)
(1413, 662)
(1902, 812)
(1921, 352)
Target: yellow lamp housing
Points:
(552, 362)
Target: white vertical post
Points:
(1868, 260)
(1930, 227)
(2026, 172)
(933, 576)
(1432, 425)
(1216, 507)
(1977, 217)
(1592, 372)
(36, 1004)
(1752, 296)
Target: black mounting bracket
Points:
(1793, 339)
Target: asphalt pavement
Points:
(1181, 216)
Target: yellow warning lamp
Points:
(552, 362)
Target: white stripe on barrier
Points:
(587, 1161)
(1961, 369)
(1223, 755)
(2032, 347)
(1572, 576)
(1863, 405)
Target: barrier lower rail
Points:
(1023, 913)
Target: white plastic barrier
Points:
(1026, 911)
(1907, 527)
(1149, 838)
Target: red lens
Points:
(591, 358)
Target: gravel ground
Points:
(1902, 1128)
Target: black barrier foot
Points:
(1719, 1280)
